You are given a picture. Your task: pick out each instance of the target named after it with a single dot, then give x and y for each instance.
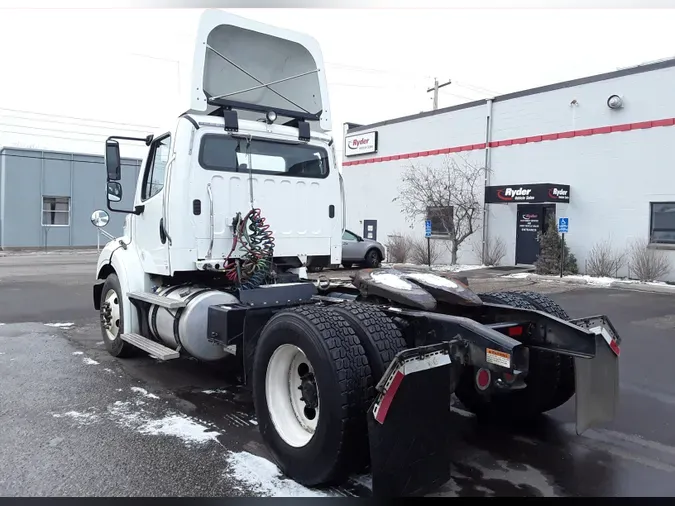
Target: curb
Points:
(621, 285)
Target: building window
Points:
(662, 223)
(55, 211)
(441, 219)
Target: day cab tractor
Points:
(232, 201)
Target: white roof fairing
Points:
(234, 58)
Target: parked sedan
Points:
(359, 251)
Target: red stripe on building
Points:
(521, 140)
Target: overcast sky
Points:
(85, 71)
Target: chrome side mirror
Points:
(100, 218)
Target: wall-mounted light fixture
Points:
(615, 102)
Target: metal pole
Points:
(562, 255)
(429, 251)
(435, 90)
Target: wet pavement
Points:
(77, 422)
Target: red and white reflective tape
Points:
(614, 346)
(408, 366)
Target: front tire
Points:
(112, 319)
(315, 350)
(373, 259)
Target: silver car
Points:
(359, 251)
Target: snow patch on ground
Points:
(59, 325)
(78, 353)
(131, 416)
(80, 418)
(262, 477)
(518, 275)
(143, 392)
(179, 426)
(585, 279)
(590, 280)
(439, 267)
(89, 361)
(1, 324)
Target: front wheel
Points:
(112, 319)
(310, 375)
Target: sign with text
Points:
(360, 143)
(538, 193)
(427, 228)
(563, 225)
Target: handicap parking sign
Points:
(563, 225)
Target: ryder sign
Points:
(360, 143)
(528, 193)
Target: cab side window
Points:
(156, 167)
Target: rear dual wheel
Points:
(549, 380)
(314, 373)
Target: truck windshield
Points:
(225, 153)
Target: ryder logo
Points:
(558, 194)
(510, 194)
(358, 142)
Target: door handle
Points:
(331, 211)
(162, 233)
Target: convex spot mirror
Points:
(114, 192)
(100, 218)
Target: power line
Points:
(77, 118)
(3, 116)
(10, 155)
(124, 143)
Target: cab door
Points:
(148, 234)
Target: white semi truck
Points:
(232, 201)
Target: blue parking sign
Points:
(427, 228)
(563, 225)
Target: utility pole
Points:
(435, 90)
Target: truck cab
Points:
(253, 133)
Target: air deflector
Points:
(244, 63)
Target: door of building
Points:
(532, 219)
(370, 229)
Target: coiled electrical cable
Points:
(256, 239)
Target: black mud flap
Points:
(409, 424)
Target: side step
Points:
(153, 348)
(157, 300)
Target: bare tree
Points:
(604, 261)
(648, 264)
(449, 194)
(420, 251)
(493, 252)
(398, 248)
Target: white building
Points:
(607, 140)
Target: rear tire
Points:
(338, 443)
(379, 335)
(111, 315)
(566, 382)
(543, 379)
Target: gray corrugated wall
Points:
(29, 175)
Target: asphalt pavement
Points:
(77, 422)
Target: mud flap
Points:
(597, 379)
(409, 424)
